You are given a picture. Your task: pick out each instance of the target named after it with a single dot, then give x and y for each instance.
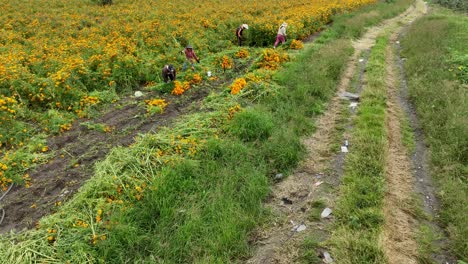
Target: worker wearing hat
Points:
(239, 31)
(190, 56)
(281, 36)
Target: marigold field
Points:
(60, 58)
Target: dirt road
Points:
(318, 177)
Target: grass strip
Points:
(437, 72)
(359, 214)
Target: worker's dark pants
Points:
(239, 41)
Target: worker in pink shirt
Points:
(190, 57)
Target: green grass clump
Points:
(316, 209)
(437, 87)
(251, 125)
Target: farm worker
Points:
(168, 73)
(239, 31)
(190, 56)
(281, 36)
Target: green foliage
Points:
(251, 125)
(283, 150)
(309, 248)
(460, 5)
(356, 247)
(317, 207)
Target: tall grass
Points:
(436, 65)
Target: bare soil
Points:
(77, 150)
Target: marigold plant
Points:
(226, 63)
(238, 85)
(271, 59)
(296, 44)
(180, 88)
(196, 79)
(243, 53)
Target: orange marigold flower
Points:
(238, 85)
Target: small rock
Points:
(353, 105)
(299, 228)
(318, 183)
(326, 212)
(349, 96)
(397, 42)
(421, 180)
(361, 60)
(327, 258)
(344, 149)
(138, 94)
(279, 176)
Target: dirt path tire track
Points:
(399, 230)
(400, 245)
(278, 243)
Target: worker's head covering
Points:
(284, 24)
(189, 47)
(245, 26)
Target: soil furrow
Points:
(76, 152)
